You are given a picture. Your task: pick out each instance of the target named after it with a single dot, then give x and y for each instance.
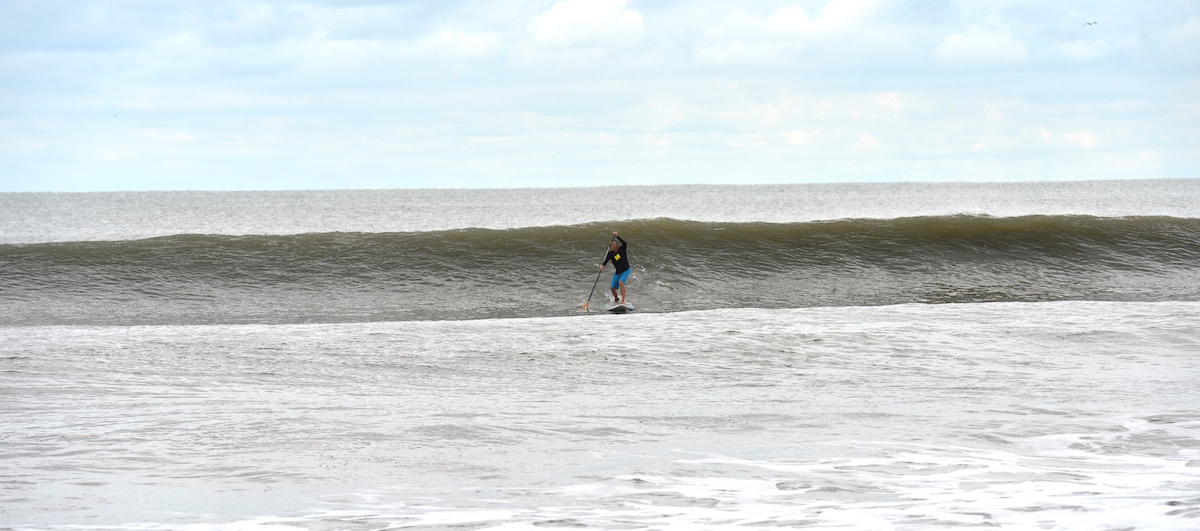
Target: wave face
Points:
(547, 271)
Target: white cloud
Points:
(746, 141)
(981, 46)
(588, 23)
(837, 16)
(1083, 139)
(24, 144)
(1095, 48)
(741, 52)
(743, 38)
(889, 100)
(1182, 41)
(1080, 50)
(168, 137)
(658, 115)
(1189, 29)
(422, 93)
(799, 138)
(866, 141)
(457, 45)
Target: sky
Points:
(338, 94)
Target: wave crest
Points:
(542, 271)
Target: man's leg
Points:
(614, 290)
(622, 292)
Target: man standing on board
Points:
(620, 263)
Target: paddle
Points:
(589, 301)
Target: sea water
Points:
(1014, 356)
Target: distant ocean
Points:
(874, 356)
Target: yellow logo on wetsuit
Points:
(616, 257)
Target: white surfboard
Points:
(618, 308)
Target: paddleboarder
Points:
(616, 253)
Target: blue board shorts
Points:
(620, 277)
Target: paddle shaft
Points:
(587, 304)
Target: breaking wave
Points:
(546, 271)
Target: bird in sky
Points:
(1089, 23)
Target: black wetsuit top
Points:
(619, 260)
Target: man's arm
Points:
(622, 243)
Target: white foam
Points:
(1070, 415)
(1066, 481)
(1052, 482)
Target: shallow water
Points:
(1064, 415)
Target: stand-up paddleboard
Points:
(618, 308)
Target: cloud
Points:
(866, 141)
(1182, 41)
(1187, 30)
(168, 137)
(451, 44)
(23, 144)
(743, 38)
(741, 52)
(454, 93)
(1081, 139)
(61, 26)
(1080, 50)
(838, 16)
(245, 23)
(981, 46)
(572, 23)
(1096, 48)
(890, 100)
(799, 138)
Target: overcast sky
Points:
(235, 95)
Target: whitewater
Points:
(890, 356)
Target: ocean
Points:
(850, 356)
